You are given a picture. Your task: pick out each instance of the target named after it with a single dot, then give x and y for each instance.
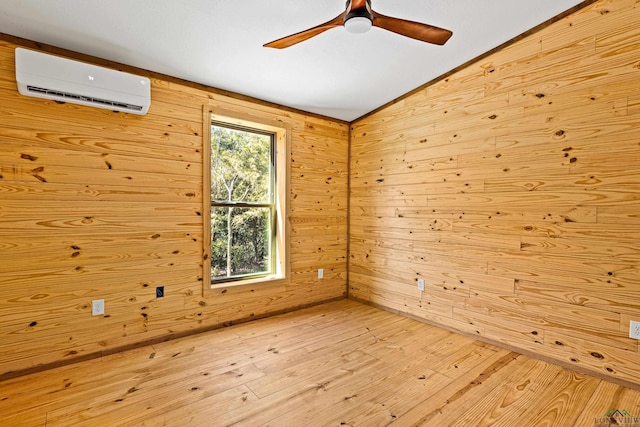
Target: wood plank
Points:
(608, 397)
(590, 248)
(621, 300)
(583, 23)
(78, 192)
(551, 317)
(506, 401)
(563, 404)
(128, 410)
(199, 412)
(91, 123)
(495, 201)
(483, 376)
(24, 153)
(79, 175)
(619, 214)
(570, 131)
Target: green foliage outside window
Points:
(242, 202)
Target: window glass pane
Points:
(241, 242)
(240, 166)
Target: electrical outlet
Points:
(160, 292)
(97, 307)
(634, 330)
(320, 273)
(421, 285)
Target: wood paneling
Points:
(513, 188)
(102, 205)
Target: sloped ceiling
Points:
(219, 43)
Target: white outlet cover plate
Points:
(634, 330)
(320, 273)
(421, 284)
(97, 307)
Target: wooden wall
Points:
(103, 205)
(513, 188)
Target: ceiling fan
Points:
(358, 17)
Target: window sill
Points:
(273, 279)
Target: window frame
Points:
(280, 221)
(271, 204)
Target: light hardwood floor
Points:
(341, 363)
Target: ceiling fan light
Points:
(358, 24)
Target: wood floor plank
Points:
(512, 398)
(381, 401)
(200, 412)
(133, 407)
(304, 393)
(562, 402)
(341, 363)
(456, 361)
(610, 397)
(33, 396)
(462, 392)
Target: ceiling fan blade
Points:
(284, 42)
(414, 30)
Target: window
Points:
(247, 188)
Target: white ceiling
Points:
(219, 43)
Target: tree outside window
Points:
(243, 205)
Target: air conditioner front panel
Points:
(51, 77)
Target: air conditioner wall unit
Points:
(52, 77)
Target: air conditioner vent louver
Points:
(73, 96)
(63, 80)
